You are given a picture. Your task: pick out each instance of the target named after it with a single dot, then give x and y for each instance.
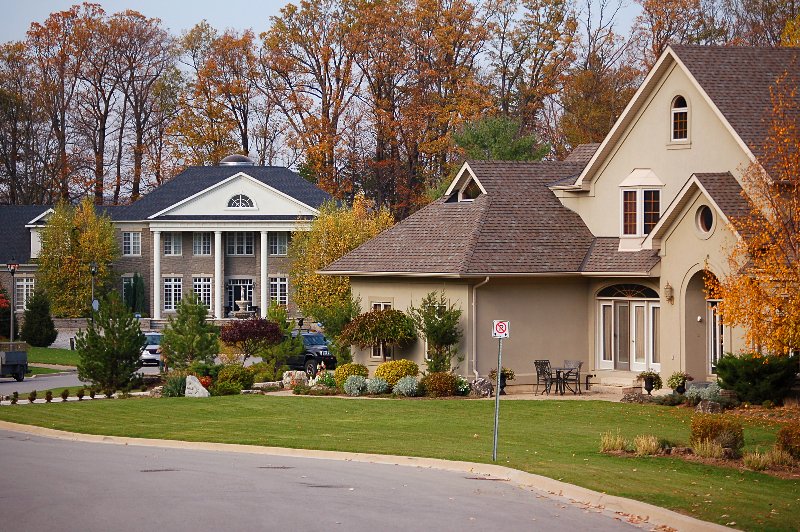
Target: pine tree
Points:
(38, 328)
(110, 347)
(188, 337)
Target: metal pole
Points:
(497, 396)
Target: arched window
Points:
(240, 201)
(680, 119)
(628, 290)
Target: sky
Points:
(177, 15)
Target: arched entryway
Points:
(629, 328)
(703, 328)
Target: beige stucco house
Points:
(599, 257)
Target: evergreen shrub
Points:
(394, 370)
(345, 370)
(355, 385)
(38, 328)
(377, 386)
(407, 386)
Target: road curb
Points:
(635, 511)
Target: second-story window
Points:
(201, 244)
(172, 244)
(240, 243)
(278, 242)
(132, 243)
(641, 210)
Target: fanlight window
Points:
(628, 291)
(240, 201)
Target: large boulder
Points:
(708, 407)
(194, 388)
(481, 387)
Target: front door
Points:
(239, 290)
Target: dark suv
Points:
(315, 353)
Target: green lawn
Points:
(558, 439)
(51, 355)
(41, 371)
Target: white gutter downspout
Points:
(474, 330)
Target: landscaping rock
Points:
(681, 450)
(708, 407)
(194, 388)
(155, 392)
(252, 392)
(481, 387)
(299, 377)
(633, 397)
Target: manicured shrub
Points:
(48, 396)
(225, 388)
(38, 328)
(238, 375)
(721, 429)
(266, 372)
(377, 386)
(80, 393)
(611, 442)
(64, 394)
(14, 398)
(757, 378)
(439, 384)
(407, 386)
(788, 439)
(646, 445)
(355, 385)
(394, 370)
(345, 370)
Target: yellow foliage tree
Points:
(763, 291)
(336, 231)
(73, 238)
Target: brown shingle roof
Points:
(738, 81)
(604, 256)
(726, 193)
(517, 227)
(582, 153)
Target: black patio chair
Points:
(544, 375)
(571, 377)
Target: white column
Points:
(156, 275)
(219, 287)
(264, 296)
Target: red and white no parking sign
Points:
(500, 328)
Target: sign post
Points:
(500, 330)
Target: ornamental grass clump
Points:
(612, 443)
(394, 370)
(708, 449)
(355, 385)
(345, 370)
(377, 386)
(407, 386)
(646, 445)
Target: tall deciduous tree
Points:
(665, 22)
(73, 238)
(333, 233)
(308, 62)
(762, 293)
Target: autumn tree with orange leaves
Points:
(762, 293)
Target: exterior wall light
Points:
(669, 294)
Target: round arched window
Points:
(705, 219)
(240, 201)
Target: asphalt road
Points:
(47, 382)
(53, 484)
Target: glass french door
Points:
(239, 290)
(714, 334)
(629, 335)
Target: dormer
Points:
(465, 187)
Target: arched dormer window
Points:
(240, 201)
(679, 120)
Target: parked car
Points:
(316, 352)
(151, 352)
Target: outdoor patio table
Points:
(561, 374)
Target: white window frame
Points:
(173, 292)
(173, 244)
(235, 202)
(201, 243)
(648, 304)
(651, 345)
(239, 244)
(279, 290)
(201, 285)
(278, 243)
(674, 111)
(378, 351)
(131, 244)
(247, 284)
(23, 291)
(640, 192)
